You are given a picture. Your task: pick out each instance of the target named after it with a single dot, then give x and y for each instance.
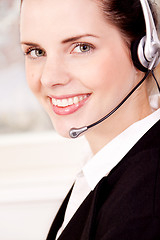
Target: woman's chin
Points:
(62, 132)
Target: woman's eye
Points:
(82, 48)
(35, 53)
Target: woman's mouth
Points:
(68, 105)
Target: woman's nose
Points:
(54, 73)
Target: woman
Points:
(79, 66)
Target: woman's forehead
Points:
(58, 16)
(61, 9)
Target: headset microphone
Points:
(145, 55)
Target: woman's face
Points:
(77, 64)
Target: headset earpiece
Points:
(135, 55)
(146, 51)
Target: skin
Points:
(59, 68)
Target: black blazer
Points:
(125, 205)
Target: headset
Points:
(145, 56)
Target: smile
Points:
(68, 102)
(64, 106)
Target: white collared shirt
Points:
(105, 160)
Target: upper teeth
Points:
(67, 101)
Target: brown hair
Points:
(127, 15)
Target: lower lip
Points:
(69, 109)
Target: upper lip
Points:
(68, 95)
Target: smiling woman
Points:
(82, 63)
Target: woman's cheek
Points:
(99, 76)
(33, 79)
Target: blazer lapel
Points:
(57, 223)
(82, 224)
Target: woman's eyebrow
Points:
(31, 44)
(72, 39)
(67, 40)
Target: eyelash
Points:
(31, 49)
(82, 45)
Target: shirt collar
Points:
(109, 156)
